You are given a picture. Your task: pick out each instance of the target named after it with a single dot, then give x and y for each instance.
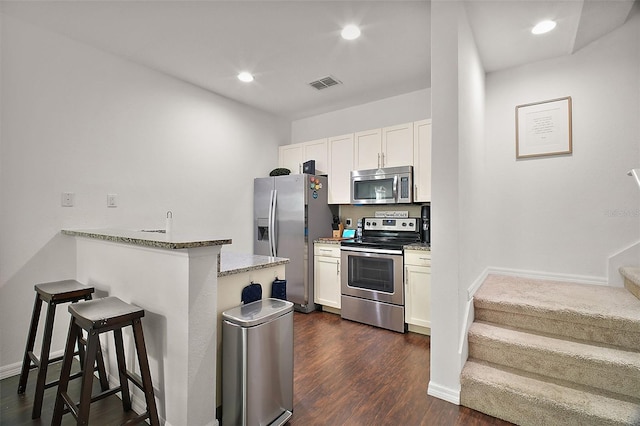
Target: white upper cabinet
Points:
(422, 160)
(368, 146)
(397, 145)
(341, 159)
(394, 146)
(316, 150)
(292, 156)
(386, 147)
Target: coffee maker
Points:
(425, 232)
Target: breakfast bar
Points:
(174, 278)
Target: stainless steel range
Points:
(372, 279)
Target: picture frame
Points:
(544, 128)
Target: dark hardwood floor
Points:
(345, 373)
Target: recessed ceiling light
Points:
(245, 76)
(543, 27)
(350, 32)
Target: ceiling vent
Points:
(325, 82)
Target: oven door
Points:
(373, 274)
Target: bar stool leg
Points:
(87, 378)
(122, 370)
(143, 362)
(102, 373)
(65, 373)
(44, 361)
(26, 361)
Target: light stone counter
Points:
(237, 263)
(417, 247)
(150, 238)
(174, 278)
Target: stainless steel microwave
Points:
(391, 185)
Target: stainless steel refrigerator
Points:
(290, 212)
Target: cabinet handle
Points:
(378, 160)
(383, 159)
(406, 275)
(423, 258)
(337, 268)
(299, 168)
(415, 190)
(326, 250)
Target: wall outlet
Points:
(112, 200)
(348, 222)
(67, 199)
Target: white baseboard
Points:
(444, 393)
(580, 279)
(14, 369)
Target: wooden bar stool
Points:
(53, 293)
(97, 317)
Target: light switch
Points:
(112, 200)
(68, 199)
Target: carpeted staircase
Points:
(554, 353)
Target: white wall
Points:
(79, 120)
(568, 214)
(399, 109)
(559, 216)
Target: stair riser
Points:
(611, 336)
(633, 287)
(621, 379)
(521, 409)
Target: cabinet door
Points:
(327, 281)
(422, 160)
(290, 157)
(340, 166)
(397, 145)
(418, 295)
(368, 146)
(316, 150)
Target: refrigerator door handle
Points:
(272, 224)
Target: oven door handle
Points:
(372, 250)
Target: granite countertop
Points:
(150, 238)
(417, 247)
(236, 263)
(329, 241)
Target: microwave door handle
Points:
(395, 188)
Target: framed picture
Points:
(544, 128)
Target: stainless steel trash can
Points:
(257, 363)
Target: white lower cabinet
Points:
(417, 290)
(327, 275)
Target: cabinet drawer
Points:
(327, 250)
(417, 257)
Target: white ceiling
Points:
(288, 44)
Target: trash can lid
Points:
(258, 312)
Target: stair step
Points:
(631, 279)
(609, 315)
(602, 367)
(525, 399)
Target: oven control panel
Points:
(383, 224)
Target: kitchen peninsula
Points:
(174, 278)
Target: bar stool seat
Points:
(97, 317)
(53, 293)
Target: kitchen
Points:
(76, 119)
